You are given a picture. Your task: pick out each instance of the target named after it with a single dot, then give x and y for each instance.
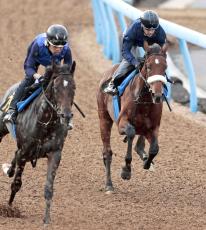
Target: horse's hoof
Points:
(109, 190)
(5, 168)
(126, 174)
(146, 165)
(46, 221)
(152, 168)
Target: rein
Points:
(57, 110)
(50, 103)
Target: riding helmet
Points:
(57, 35)
(150, 19)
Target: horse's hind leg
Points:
(126, 170)
(105, 129)
(17, 182)
(153, 150)
(53, 164)
(139, 148)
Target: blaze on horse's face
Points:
(155, 66)
(64, 90)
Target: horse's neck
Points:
(136, 85)
(43, 105)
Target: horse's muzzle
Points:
(157, 98)
(66, 118)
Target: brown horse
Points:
(140, 114)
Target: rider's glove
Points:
(38, 78)
(141, 60)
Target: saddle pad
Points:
(126, 81)
(121, 88)
(22, 104)
(115, 103)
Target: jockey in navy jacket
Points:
(45, 48)
(39, 54)
(135, 37)
(145, 28)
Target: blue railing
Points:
(109, 18)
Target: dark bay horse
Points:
(42, 128)
(140, 114)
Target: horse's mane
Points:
(154, 49)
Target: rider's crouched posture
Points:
(45, 48)
(145, 28)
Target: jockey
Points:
(145, 28)
(52, 45)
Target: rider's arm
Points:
(129, 40)
(68, 56)
(161, 36)
(30, 63)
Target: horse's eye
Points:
(148, 68)
(55, 88)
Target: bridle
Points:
(54, 107)
(147, 80)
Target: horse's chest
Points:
(143, 118)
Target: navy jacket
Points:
(39, 54)
(134, 37)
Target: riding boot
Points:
(12, 112)
(118, 77)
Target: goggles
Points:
(150, 28)
(57, 43)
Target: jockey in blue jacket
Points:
(145, 28)
(45, 48)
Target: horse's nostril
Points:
(158, 99)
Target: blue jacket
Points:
(39, 54)
(134, 37)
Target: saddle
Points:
(30, 94)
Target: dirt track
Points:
(172, 197)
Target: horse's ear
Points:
(54, 66)
(73, 66)
(146, 47)
(164, 48)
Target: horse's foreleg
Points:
(129, 130)
(53, 163)
(9, 169)
(17, 182)
(153, 150)
(105, 129)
